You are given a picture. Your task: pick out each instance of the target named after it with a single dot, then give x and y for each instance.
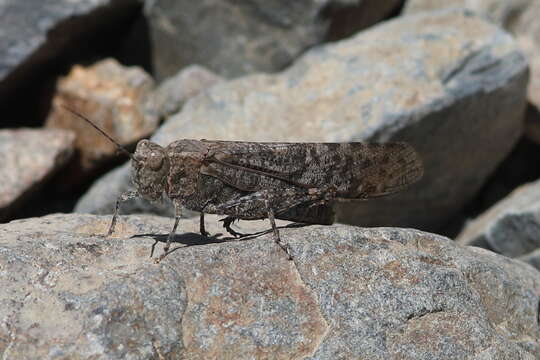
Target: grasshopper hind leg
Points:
(284, 246)
(227, 222)
(267, 203)
(202, 228)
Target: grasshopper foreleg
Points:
(122, 198)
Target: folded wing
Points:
(354, 170)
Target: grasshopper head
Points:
(150, 164)
(150, 169)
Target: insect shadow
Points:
(196, 239)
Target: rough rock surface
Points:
(35, 33)
(520, 17)
(237, 37)
(500, 12)
(532, 258)
(171, 94)
(349, 293)
(27, 158)
(449, 83)
(116, 98)
(511, 227)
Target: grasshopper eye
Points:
(154, 161)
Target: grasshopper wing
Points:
(354, 170)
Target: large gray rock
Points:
(511, 227)
(238, 37)
(449, 83)
(532, 258)
(36, 33)
(28, 157)
(520, 17)
(173, 93)
(500, 12)
(349, 293)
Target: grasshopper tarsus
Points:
(284, 246)
(171, 235)
(112, 226)
(227, 222)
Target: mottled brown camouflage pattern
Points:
(249, 180)
(298, 179)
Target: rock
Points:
(171, 95)
(116, 98)
(240, 37)
(503, 13)
(28, 157)
(349, 293)
(515, 170)
(511, 227)
(520, 17)
(37, 36)
(448, 83)
(527, 32)
(532, 258)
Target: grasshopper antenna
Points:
(123, 149)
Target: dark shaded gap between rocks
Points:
(57, 198)
(81, 39)
(346, 21)
(515, 170)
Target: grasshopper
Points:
(259, 180)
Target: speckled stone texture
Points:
(511, 227)
(349, 293)
(520, 17)
(27, 158)
(171, 94)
